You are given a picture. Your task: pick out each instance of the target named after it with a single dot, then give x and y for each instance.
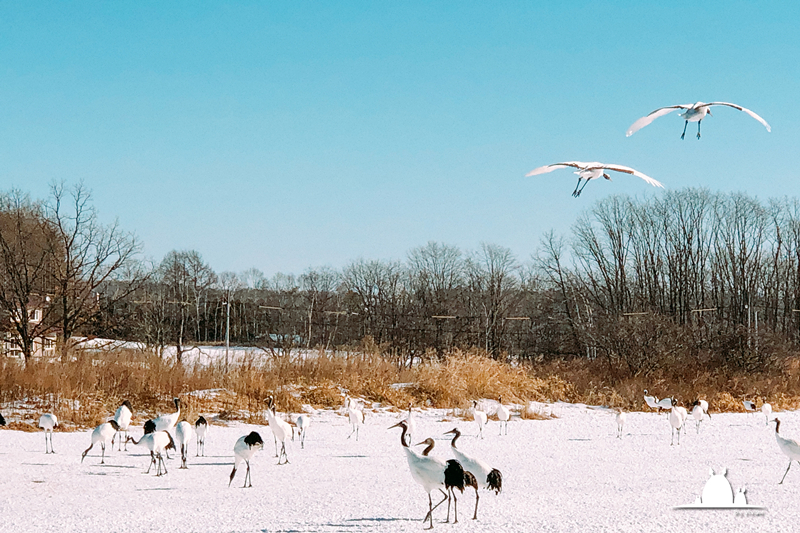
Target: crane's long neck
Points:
(428, 449)
(403, 436)
(456, 434)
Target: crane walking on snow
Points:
(243, 450)
(789, 447)
(156, 442)
(103, 433)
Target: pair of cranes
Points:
(692, 113)
(247, 445)
(678, 415)
(766, 409)
(481, 418)
(434, 473)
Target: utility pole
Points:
(227, 333)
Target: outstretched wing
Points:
(660, 112)
(628, 170)
(555, 166)
(740, 108)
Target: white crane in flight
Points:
(694, 113)
(591, 171)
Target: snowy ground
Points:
(566, 474)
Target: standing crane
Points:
(486, 476)
(479, 417)
(200, 429)
(426, 471)
(354, 414)
(281, 430)
(48, 422)
(503, 415)
(183, 432)
(301, 423)
(123, 417)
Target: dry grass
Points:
(86, 391)
(594, 383)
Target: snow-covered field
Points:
(566, 474)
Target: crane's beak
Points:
(399, 424)
(423, 442)
(606, 176)
(709, 112)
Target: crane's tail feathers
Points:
(495, 481)
(470, 481)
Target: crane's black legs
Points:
(698, 128)
(475, 516)
(247, 477)
(577, 192)
(51, 442)
(283, 455)
(433, 508)
(452, 494)
(685, 124)
(787, 471)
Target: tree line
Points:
(635, 281)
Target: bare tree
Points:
(87, 255)
(492, 274)
(319, 290)
(26, 268)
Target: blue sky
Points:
(287, 135)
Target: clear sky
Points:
(285, 135)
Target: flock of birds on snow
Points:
(429, 471)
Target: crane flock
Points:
(436, 475)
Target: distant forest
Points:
(640, 282)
